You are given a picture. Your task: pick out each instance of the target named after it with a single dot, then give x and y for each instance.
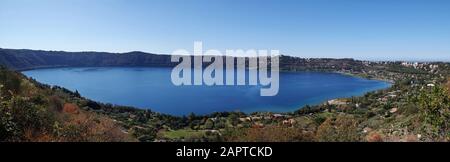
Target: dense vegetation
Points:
(30, 111)
(31, 59)
(415, 108)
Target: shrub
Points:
(70, 108)
(56, 103)
(209, 124)
(271, 134)
(18, 115)
(11, 83)
(343, 128)
(144, 134)
(88, 127)
(374, 137)
(435, 111)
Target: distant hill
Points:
(31, 59)
(23, 59)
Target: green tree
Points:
(11, 83)
(435, 111)
(233, 118)
(209, 124)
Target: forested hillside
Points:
(32, 59)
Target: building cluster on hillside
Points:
(389, 95)
(423, 66)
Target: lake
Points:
(151, 88)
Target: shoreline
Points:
(374, 78)
(247, 113)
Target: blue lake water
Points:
(151, 88)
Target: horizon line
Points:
(138, 51)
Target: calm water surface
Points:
(151, 88)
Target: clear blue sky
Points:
(363, 29)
